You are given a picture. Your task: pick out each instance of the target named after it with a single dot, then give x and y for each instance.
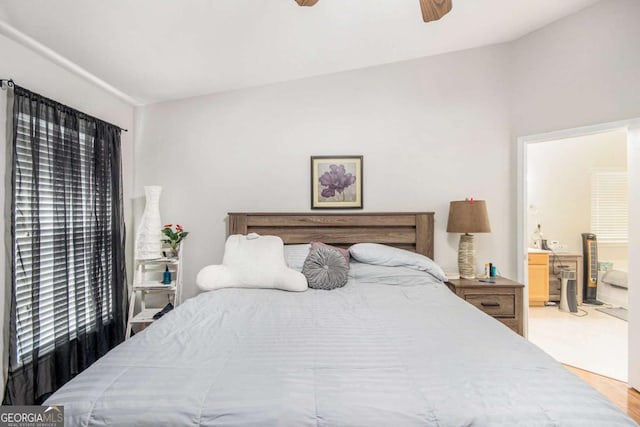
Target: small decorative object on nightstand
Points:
(468, 216)
(501, 300)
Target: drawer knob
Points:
(490, 304)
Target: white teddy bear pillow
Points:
(252, 261)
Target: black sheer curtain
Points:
(68, 288)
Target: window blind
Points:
(609, 206)
(57, 229)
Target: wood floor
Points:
(616, 391)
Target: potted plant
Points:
(174, 237)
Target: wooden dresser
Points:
(501, 300)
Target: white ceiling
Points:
(156, 50)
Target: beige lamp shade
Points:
(468, 216)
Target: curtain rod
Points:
(10, 83)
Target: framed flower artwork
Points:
(336, 182)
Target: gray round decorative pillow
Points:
(325, 268)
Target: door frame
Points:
(632, 126)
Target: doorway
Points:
(527, 210)
(574, 186)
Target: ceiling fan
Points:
(432, 10)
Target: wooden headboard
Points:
(412, 231)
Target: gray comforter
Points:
(409, 353)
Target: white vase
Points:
(149, 235)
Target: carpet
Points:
(619, 312)
(597, 342)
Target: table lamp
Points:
(468, 216)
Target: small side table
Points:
(501, 300)
(148, 280)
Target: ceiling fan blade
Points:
(432, 10)
(306, 2)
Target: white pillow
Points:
(616, 278)
(294, 255)
(396, 276)
(377, 254)
(252, 261)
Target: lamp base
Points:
(467, 257)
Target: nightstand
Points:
(502, 300)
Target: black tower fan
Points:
(590, 258)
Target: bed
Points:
(394, 347)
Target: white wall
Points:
(37, 74)
(578, 71)
(559, 188)
(431, 131)
(583, 70)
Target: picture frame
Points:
(336, 182)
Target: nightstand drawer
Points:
(502, 300)
(498, 305)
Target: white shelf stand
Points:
(148, 281)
